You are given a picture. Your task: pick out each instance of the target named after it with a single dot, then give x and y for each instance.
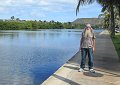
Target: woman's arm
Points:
(94, 45)
(81, 40)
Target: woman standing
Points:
(87, 46)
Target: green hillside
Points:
(92, 21)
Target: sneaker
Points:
(92, 70)
(80, 70)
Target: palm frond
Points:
(105, 8)
(101, 15)
(91, 1)
(77, 9)
(83, 2)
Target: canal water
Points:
(30, 57)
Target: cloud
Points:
(43, 5)
(16, 6)
(36, 14)
(37, 3)
(29, 1)
(43, 9)
(53, 2)
(2, 9)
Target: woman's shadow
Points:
(96, 74)
(86, 72)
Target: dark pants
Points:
(84, 53)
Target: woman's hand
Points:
(94, 49)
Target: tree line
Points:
(17, 24)
(31, 25)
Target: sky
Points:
(57, 10)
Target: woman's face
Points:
(88, 28)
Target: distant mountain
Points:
(92, 21)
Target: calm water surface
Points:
(30, 57)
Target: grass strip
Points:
(116, 41)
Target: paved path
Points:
(106, 65)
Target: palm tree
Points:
(106, 17)
(117, 5)
(117, 16)
(12, 18)
(107, 5)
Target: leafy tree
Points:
(33, 25)
(106, 16)
(17, 19)
(107, 5)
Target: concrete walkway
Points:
(106, 65)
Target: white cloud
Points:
(8, 2)
(16, 7)
(29, 1)
(36, 2)
(2, 9)
(41, 8)
(5, 3)
(43, 3)
(35, 13)
(53, 2)
(39, 3)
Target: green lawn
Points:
(116, 42)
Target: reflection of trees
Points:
(11, 35)
(53, 34)
(31, 34)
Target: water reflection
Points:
(29, 57)
(17, 79)
(9, 35)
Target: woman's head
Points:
(88, 25)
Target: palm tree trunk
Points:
(112, 21)
(119, 10)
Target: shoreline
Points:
(60, 70)
(68, 73)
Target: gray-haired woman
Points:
(87, 46)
